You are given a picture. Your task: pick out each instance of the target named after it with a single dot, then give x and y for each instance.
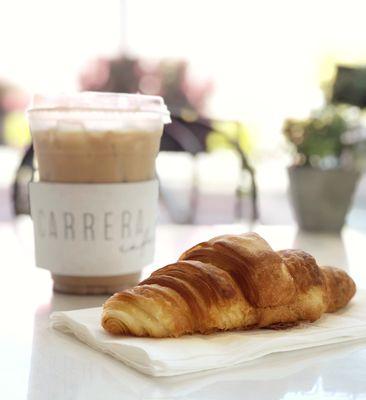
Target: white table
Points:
(38, 363)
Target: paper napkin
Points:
(193, 353)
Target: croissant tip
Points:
(114, 325)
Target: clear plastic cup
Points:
(91, 138)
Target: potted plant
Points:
(323, 177)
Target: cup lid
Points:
(101, 101)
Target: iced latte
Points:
(94, 138)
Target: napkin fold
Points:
(194, 353)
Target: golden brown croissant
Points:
(229, 282)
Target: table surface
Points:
(39, 363)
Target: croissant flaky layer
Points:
(229, 282)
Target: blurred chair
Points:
(190, 136)
(24, 174)
(349, 86)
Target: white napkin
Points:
(167, 357)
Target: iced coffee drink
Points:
(96, 157)
(96, 138)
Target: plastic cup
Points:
(94, 138)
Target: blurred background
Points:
(254, 87)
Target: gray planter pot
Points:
(321, 198)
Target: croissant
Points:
(229, 282)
